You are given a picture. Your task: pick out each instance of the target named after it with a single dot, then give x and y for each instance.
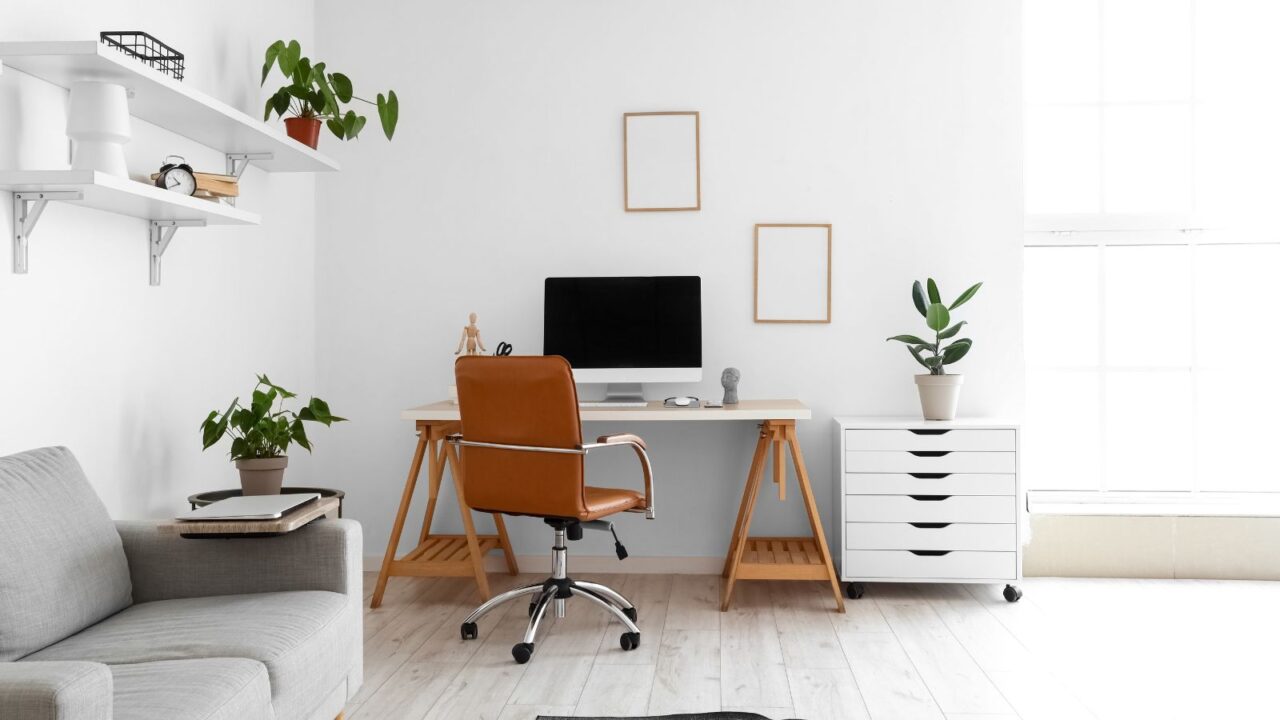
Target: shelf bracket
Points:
(27, 207)
(238, 162)
(161, 234)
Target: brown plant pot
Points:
(304, 130)
(262, 476)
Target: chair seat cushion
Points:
(211, 689)
(607, 501)
(303, 638)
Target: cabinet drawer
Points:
(960, 564)
(928, 484)
(928, 439)
(907, 461)
(931, 536)
(930, 508)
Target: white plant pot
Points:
(98, 125)
(939, 395)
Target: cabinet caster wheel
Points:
(632, 613)
(522, 652)
(854, 590)
(470, 631)
(629, 641)
(1012, 594)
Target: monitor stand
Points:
(624, 393)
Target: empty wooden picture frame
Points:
(793, 273)
(661, 165)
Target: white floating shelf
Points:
(163, 101)
(165, 211)
(124, 197)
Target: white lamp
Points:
(98, 124)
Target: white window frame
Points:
(1102, 230)
(1197, 500)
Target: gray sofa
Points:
(103, 620)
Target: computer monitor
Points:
(625, 330)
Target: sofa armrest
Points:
(55, 691)
(325, 555)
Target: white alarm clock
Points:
(178, 177)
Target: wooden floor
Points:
(1070, 649)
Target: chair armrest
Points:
(642, 452)
(325, 555)
(55, 691)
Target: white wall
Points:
(896, 120)
(92, 357)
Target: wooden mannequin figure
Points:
(471, 338)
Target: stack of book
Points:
(212, 186)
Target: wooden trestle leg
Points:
(778, 558)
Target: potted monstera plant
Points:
(315, 96)
(939, 391)
(262, 433)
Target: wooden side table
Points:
(296, 518)
(440, 555)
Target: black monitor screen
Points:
(624, 322)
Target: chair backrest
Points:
(521, 401)
(62, 565)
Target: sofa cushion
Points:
(62, 567)
(304, 639)
(213, 689)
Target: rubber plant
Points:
(936, 355)
(266, 428)
(314, 92)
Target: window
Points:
(1152, 166)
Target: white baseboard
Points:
(541, 564)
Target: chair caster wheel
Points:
(522, 652)
(629, 640)
(470, 631)
(1012, 594)
(632, 613)
(854, 590)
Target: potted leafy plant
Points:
(939, 392)
(261, 433)
(314, 95)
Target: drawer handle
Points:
(929, 553)
(929, 476)
(929, 526)
(914, 431)
(929, 453)
(928, 498)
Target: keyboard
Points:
(606, 404)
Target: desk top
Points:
(745, 410)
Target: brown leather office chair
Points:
(522, 454)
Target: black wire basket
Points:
(148, 49)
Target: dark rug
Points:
(693, 716)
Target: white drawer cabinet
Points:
(928, 501)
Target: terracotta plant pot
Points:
(939, 395)
(262, 476)
(304, 130)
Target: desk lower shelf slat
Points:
(443, 556)
(781, 558)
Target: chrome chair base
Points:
(552, 593)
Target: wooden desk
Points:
(749, 558)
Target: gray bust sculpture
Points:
(729, 379)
